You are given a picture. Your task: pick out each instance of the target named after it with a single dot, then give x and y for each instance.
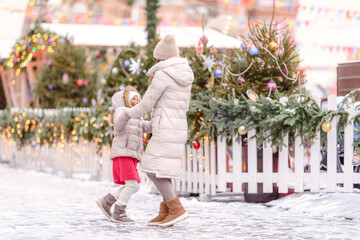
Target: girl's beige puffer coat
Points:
(168, 98)
(128, 133)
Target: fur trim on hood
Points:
(126, 95)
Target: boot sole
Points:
(176, 220)
(125, 223)
(153, 224)
(102, 209)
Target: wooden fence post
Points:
(221, 163)
(332, 148)
(315, 158)
(349, 151)
(252, 162)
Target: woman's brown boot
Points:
(163, 212)
(176, 213)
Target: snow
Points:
(330, 204)
(37, 205)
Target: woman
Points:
(168, 98)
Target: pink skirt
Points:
(125, 168)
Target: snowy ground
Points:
(42, 206)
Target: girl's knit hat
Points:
(166, 48)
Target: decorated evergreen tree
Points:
(65, 80)
(129, 68)
(205, 62)
(267, 62)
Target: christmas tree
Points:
(129, 68)
(65, 80)
(267, 62)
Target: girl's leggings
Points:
(124, 193)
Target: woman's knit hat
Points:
(166, 48)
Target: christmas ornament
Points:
(273, 46)
(196, 145)
(199, 49)
(220, 63)
(218, 73)
(204, 38)
(253, 51)
(79, 82)
(326, 127)
(122, 87)
(103, 81)
(252, 95)
(49, 63)
(99, 95)
(86, 82)
(274, 149)
(115, 70)
(242, 130)
(85, 100)
(126, 63)
(208, 62)
(271, 85)
(241, 80)
(50, 87)
(213, 51)
(244, 46)
(135, 67)
(94, 103)
(285, 71)
(98, 54)
(260, 62)
(131, 80)
(65, 78)
(281, 79)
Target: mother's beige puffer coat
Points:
(168, 98)
(128, 133)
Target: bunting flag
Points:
(351, 50)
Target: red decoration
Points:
(285, 71)
(196, 145)
(79, 82)
(86, 81)
(144, 141)
(98, 54)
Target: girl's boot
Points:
(105, 204)
(119, 215)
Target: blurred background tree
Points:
(65, 80)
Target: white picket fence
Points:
(209, 170)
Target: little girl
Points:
(126, 150)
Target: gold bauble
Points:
(326, 127)
(274, 149)
(103, 81)
(273, 46)
(242, 130)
